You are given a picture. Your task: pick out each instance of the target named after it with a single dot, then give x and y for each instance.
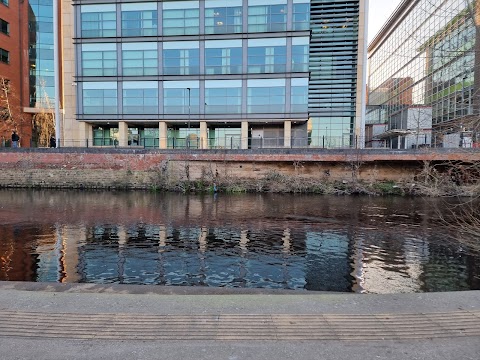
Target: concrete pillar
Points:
(287, 134)
(86, 134)
(244, 135)
(162, 134)
(203, 135)
(122, 134)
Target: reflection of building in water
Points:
(152, 254)
(27, 253)
(378, 270)
(295, 257)
(328, 262)
(444, 270)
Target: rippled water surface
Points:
(347, 244)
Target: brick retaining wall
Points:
(143, 169)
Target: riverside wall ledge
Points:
(120, 168)
(88, 157)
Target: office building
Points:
(423, 75)
(213, 73)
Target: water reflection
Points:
(268, 241)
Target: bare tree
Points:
(43, 122)
(11, 116)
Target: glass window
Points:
(267, 18)
(266, 59)
(140, 97)
(99, 24)
(5, 2)
(299, 95)
(181, 22)
(301, 16)
(105, 136)
(99, 60)
(181, 61)
(139, 59)
(223, 57)
(4, 56)
(224, 138)
(176, 99)
(4, 27)
(223, 97)
(300, 56)
(139, 22)
(266, 96)
(222, 20)
(99, 98)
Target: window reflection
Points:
(222, 20)
(267, 18)
(139, 22)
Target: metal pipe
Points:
(56, 66)
(188, 126)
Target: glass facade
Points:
(99, 60)
(333, 66)
(181, 18)
(219, 61)
(223, 20)
(267, 18)
(222, 97)
(223, 57)
(140, 97)
(267, 56)
(40, 52)
(98, 21)
(428, 62)
(139, 59)
(182, 58)
(139, 19)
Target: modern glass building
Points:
(214, 73)
(40, 54)
(423, 73)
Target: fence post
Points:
(323, 141)
(87, 143)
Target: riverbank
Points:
(312, 171)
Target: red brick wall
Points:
(56, 168)
(17, 71)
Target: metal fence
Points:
(236, 142)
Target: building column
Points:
(122, 134)
(244, 136)
(162, 135)
(86, 134)
(203, 135)
(287, 134)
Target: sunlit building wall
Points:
(424, 56)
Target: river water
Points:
(327, 243)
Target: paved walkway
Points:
(48, 321)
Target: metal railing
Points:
(237, 143)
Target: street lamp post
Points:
(56, 68)
(188, 126)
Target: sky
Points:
(379, 12)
